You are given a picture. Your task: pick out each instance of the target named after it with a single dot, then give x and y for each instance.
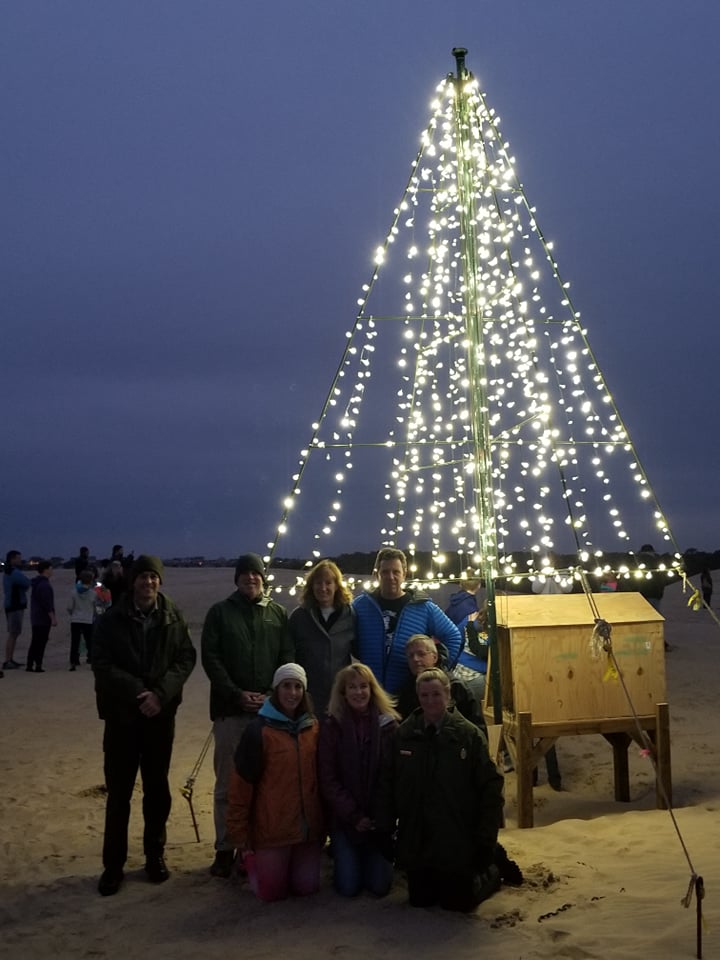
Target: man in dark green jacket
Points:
(244, 640)
(142, 656)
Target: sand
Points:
(603, 879)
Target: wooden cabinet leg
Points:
(524, 764)
(620, 743)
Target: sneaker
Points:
(223, 863)
(73, 668)
(109, 882)
(156, 869)
(11, 665)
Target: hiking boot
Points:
(109, 882)
(223, 863)
(156, 869)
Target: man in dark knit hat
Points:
(142, 656)
(244, 640)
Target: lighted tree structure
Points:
(468, 413)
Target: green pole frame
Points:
(482, 466)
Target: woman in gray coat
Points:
(323, 630)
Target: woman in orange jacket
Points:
(275, 816)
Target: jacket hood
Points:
(280, 721)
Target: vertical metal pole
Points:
(482, 466)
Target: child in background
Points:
(82, 609)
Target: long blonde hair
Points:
(338, 706)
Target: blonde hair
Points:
(434, 673)
(421, 640)
(341, 596)
(338, 704)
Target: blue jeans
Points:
(359, 866)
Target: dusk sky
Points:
(191, 196)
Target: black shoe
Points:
(109, 882)
(223, 863)
(156, 869)
(39, 670)
(485, 885)
(510, 872)
(29, 669)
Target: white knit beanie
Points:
(289, 671)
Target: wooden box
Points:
(546, 666)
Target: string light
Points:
(504, 440)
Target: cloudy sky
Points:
(191, 196)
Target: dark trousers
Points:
(145, 744)
(78, 632)
(38, 642)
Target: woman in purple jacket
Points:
(354, 740)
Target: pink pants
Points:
(277, 872)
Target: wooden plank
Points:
(549, 610)
(524, 766)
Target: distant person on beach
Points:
(322, 629)
(82, 607)
(15, 588)
(245, 638)
(42, 616)
(142, 655)
(389, 615)
(82, 562)
(355, 742)
(552, 582)
(114, 581)
(274, 813)
(706, 585)
(651, 583)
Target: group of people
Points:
(310, 736)
(89, 599)
(16, 587)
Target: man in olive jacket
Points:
(142, 656)
(244, 640)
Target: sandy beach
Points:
(603, 879)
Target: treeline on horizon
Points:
(360, 563)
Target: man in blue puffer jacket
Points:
(388, 616)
